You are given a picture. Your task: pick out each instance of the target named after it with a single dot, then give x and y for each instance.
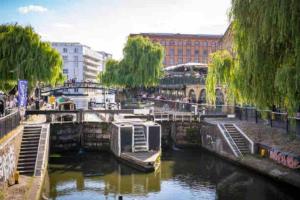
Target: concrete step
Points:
(29, 148)
(29, 145)
(27, 158)
(32, 131)
(26, 167)
(26, 172)
(139, 132)
(139, 139)
(31, 134)
(28, 152)
(36, 140)
(31, 140)
(27, 164)
(29, 155)
(140, 142)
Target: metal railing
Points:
(267, 117)
(9, 122)
(279, 120)
(183, 80)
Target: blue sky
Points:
(105, 24)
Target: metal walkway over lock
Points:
(77, 85)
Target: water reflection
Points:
(183, 175)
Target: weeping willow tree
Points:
(110, 75)
(140, 67)
(266, 68)
(267, 40)
(24, 56)
(220, 72)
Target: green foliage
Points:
(220, 72)
(140, 67)
(24, 56)
(267, 41)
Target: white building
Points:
(80, 61)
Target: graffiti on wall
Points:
(7, 164)
(285, 159)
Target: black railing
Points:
(183, 80)
(70, 85)
(266, 117)
(9, 122)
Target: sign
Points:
(22, 93)
(52, 99)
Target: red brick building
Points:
(184, 48)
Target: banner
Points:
(22, 93)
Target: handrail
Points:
(227, 140)
(246, 137)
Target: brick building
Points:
(184, 48)
(226, 41)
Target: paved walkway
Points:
(259, 133)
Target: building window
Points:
(65, 58)
(196, 52)
(75, 50)
(205, 53)
(162, 42)
(76, 61)
(171, 52)
(179, 60)
(188, 52)
(75, 89)
(171, 61)
(65, 50)
(196, 59)
(196, 43)
(188, 43)
(189, 59)
(179, 43)
(179, 52)
(171, 43)
(205, 43)
(65, 71)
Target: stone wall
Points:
(9, 154)
(212, 139)
(72, 137)
(185, 132)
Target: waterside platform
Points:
(143, 161)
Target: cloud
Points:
(32, 8)
(62, 25)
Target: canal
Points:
(184, 174)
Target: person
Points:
(1, 108)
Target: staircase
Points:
(140, 141)
(29, 148)
(239, 140)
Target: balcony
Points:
(181, 82)
(90, 75)
(91, 69)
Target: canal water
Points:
(184, 174)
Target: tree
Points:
(267, 40)
(24, 56)
(140, 67)
(266, 69)
(220, 72)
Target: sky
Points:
(104, 25)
